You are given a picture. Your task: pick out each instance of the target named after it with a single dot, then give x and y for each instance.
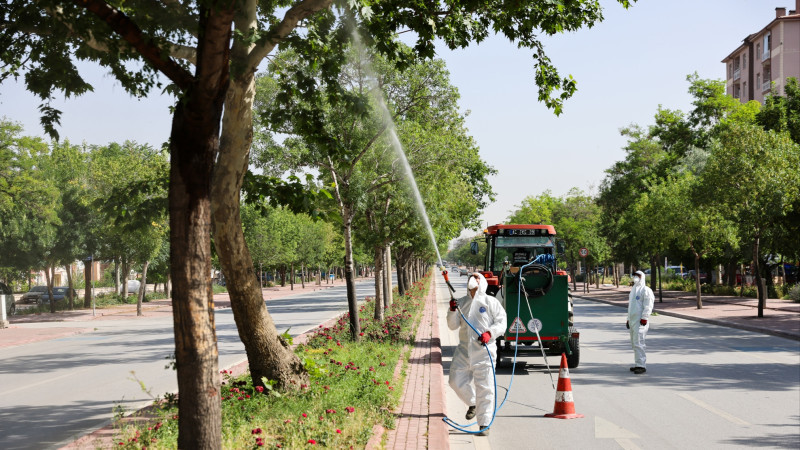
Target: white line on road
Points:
(47, 380)
(716, 411)
(627, 444)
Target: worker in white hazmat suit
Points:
(471, 362)
(640, 305)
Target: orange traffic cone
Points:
(565, 406)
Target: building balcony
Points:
(765, 56)
(737, 74)
(766, 86)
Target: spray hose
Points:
(461, 427)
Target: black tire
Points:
(574, 359)
(498, 351)
(13, 310)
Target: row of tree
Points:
(719, 185)
(207, 54)
(65, 203)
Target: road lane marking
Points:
(714, 410)
(605, 429)
(48, 380)
(627, 444)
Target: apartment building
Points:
(766, 57)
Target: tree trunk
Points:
(741, 279)
(142, 289)
(194, 146)
(70, 287)
(116, 275)
(268, 354)
(352, 300)
(87, 282)
(49, 274)
(303, 274)
(291, 277)
(380, 290)
(660, 291)
(387, 271)
(125, 270)
(697, 279)
(762, 296)
(283, 275)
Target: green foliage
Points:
(782, 113)
(794, 293)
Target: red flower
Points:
(260, 389)
(350, 409)
(312, 441)
(304, 415)
(256, 431)
(339, 431)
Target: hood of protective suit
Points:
(639, 283)
(479, 283)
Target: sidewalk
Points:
(419, 424)
(29, 328)
(781, 317)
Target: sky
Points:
(625, 67)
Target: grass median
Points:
(352, 387)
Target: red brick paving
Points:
(419, 424)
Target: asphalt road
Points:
(706, 386)
(55, 391)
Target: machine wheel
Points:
(497, 352)
(574, 359)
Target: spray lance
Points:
(447, 420)
(462, 427)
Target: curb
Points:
(438, 435)
(720, 322)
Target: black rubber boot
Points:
(470, 413)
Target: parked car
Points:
(6, 291)
(33, 295)
(703, 276)
(60, 294)
(464, 273)
(454, 269)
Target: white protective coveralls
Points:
(640, 305)
(470, 359)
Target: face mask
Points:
(635, 279)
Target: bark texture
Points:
(268, 355)
(194, 142)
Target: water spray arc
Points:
(394, 139)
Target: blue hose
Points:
(460, 427)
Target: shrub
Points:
(794, 293)
(219, 289)
(351, 388)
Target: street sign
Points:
(584, 252)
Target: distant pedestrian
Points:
(640, 305)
